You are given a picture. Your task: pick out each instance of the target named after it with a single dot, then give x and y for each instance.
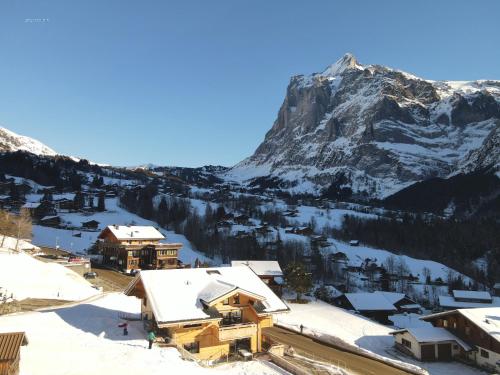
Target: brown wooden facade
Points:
(134, 254)
(465, 329)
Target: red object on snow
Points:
(123, 325)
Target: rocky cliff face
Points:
(375, 129)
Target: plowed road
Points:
(355, 364)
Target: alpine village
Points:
(362, 236)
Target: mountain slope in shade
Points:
(12, 142)
(373, 129)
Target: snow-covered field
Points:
(27, 277)
(85, 339)
(323, 320)
(46, 236)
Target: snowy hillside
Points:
(85, 339)
(11, 142)
(26, 277)
(372, 129)
(78, 241)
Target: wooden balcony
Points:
(237, 331)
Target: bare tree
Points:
(22, 226)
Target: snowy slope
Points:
(11, 142)
(27, 277)
(371, 128)
(85, 339)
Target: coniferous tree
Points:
(78, 200)
(297, 279)
(101, 202)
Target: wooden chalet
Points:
(137, 247)
(64, 204)
(372, 305)
(91, 224)
(10, 352)
(51, 221)
(39, 209)
(496, 289)
(241, 219)
(479, 328)
(303, 231)
(212, 313)
(464, 299)
(268, 271)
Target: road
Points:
(110, 280)
(308, 347)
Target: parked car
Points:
(90, 275)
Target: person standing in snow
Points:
(151, 338)
(125, 328)
(301, 329)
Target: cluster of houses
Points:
(469, 335)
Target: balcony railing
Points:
(237, 331)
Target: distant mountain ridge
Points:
(12, 142)
(374, 130)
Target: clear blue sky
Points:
(191, 83)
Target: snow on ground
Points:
(7, 242)
(320, 319)
(27, 277)
(46, 236)
(85, 339)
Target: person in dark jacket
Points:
(151, 338)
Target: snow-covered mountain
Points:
(375, 130)
(12, 142)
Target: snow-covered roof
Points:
(471, 294)
(129, 232)
(260, 267)
(392, 297)
(369, 302)
(433, 334)
(447, 301)
(31, 205)
(182, 299)
(49, 217)
(486, 318)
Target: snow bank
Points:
(27, 277)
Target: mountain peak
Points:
(348, 61)
(12, 142)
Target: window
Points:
(236, 299)
(485, 354)
(192, 325)
(454, 325)
(406, 343)
(193, 347)
(445, 323)
(226, 301)
(145, 301)
(467, 331)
